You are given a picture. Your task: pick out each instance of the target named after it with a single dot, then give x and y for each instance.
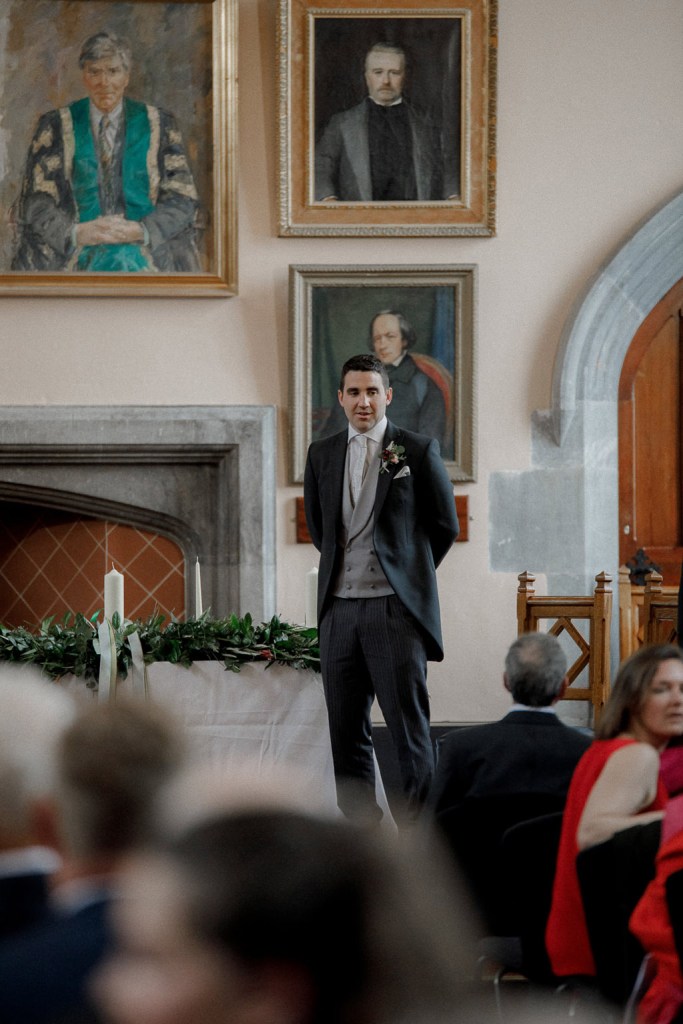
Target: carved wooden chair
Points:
(631, 610)
(660, 611)
(593, 650)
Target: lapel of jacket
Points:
(421, 155)
(392, 433)
(358, 149)
(336, 466)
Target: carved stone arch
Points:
(561, 516)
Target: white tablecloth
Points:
(263, 717)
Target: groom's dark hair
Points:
(364, 363)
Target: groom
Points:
(381, 511)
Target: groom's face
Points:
(364, 399)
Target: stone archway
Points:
(561, 516)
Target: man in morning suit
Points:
(527, 751)
(382, 150)
(380, 510)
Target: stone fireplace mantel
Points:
(202, 475)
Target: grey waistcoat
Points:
(360, 574)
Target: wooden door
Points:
(650, 440)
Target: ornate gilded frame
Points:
(464, 97)
(207, 28)
(330, 309)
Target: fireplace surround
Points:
(202, 475)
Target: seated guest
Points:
(269, 914)
(33, 714)
(491, 777)
(651, 923)
(111, 764)
(527, 751)
(616, 785)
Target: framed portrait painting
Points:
(419, 320)
(387, 117)
(118, 142)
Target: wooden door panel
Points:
(650, 440)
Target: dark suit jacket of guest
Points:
(23, 901)
(44, 972)
(525, 752)
(415, 523)
(342, 158)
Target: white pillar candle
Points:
(198, 606)
(312, 598)
(113, 595)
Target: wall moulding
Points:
(201, 475)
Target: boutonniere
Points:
(391, 456)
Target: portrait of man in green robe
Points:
(107, 186)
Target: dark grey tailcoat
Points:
(415, 523)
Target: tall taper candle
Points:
(198, 606)
(312, 598)
(113, 595)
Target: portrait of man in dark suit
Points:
(380, 510)
(398, 141)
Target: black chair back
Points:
(530, 853)
(613, 876)
(473, 832)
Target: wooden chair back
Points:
(593, 650)
(660, 611)
(631, 611)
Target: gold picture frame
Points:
(331, 311)
(327, 182)
(183, 74)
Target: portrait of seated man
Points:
(383, 149)
(107, 186)
(418, 403)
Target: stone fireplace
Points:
(202, 476)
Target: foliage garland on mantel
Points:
(71, 647)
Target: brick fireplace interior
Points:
(149, 489)
(53, 562)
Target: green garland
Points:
(72, 646)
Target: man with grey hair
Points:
(491, 777)
(527, 751)
(33, 715)
(107, 186)
(382, 149)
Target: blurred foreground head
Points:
(113, 761)
(268, 915)
(34, 713)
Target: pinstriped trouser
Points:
(368, 647)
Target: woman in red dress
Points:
(615, 785)
(652, 925)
